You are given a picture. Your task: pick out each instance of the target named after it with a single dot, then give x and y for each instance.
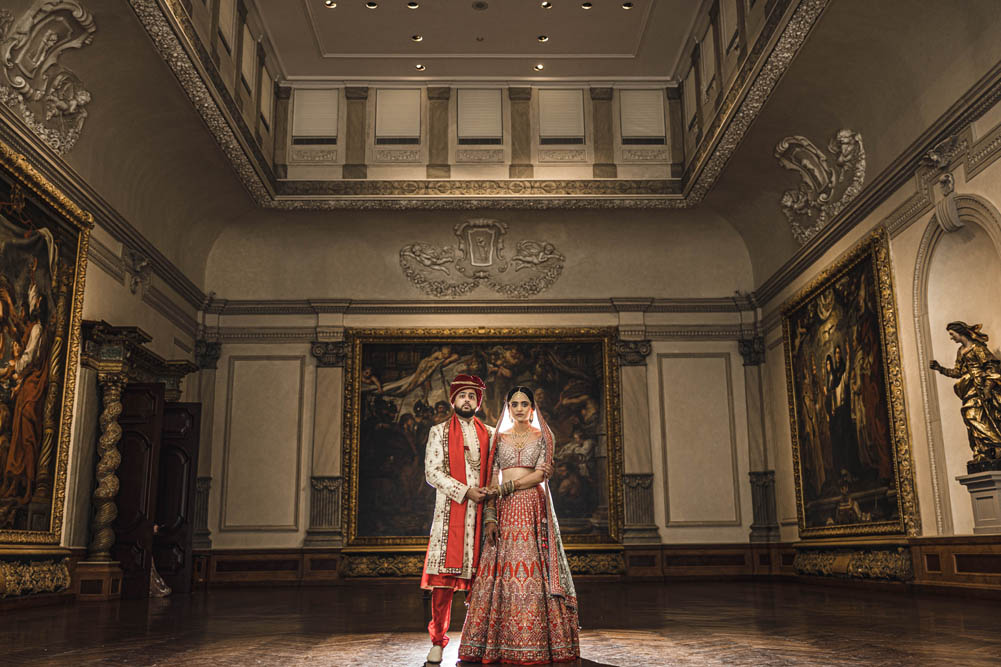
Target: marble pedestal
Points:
(985, 493)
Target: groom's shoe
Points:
(434, 655)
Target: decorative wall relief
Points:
(830, 182)
(49, 97)
(478, 258)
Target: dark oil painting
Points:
(837, 372)
(403, 391)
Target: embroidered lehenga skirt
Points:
(512, 615)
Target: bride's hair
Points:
(524, 390)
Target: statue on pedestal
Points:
(978, 386)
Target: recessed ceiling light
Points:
(417, 38)
(330, 4)
(543, 38)
(539, 67)
(547, 5)
(586, 5)
(371, 5)
(413, 5)
(420, 67)
(627, 5)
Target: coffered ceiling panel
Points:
(499, 39)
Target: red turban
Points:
(466, 382)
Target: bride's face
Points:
(520, 408)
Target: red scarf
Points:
(457, 511)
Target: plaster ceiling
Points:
(458, 41)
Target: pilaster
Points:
(521, 133)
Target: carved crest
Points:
(479, 258)
(829, 181)
(49, 97)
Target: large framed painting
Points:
(850, 442)
(396, 384)
(43, 254)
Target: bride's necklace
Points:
(519, 440)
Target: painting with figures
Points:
(43, 240)
(399, 382)
(844, 391)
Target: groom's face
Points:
(465, 403)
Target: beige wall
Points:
(938, 277)
(355, 255)
(700, 445)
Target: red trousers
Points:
(441, 615)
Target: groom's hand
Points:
(475, 494)
(491, 531)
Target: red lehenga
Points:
(523, 606)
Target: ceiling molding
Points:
(175, 38)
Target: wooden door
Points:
(142, 423)
(175, 498)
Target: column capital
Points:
(328, 353)
(207, 354)
(752, 350)
(601, 93)
(356, 92)
(633, 352)
(519, 94)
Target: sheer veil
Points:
(557, 570)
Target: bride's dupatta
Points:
(556, 569)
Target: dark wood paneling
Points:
(175, 500)
(142, 422)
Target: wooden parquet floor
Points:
(719, 623)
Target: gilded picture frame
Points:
(43, 259)
(396, 385)
(851, 446)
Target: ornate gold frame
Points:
(74, 220)
(909, 523)
(355, 338)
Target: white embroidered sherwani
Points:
(436, 471)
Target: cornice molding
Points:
(460, 307)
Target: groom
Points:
(456, 465)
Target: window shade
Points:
(315, 113)
(227, 21)
(480, 114)
(728, 21)
(248, 64)
(267, 97)
(707, 55)
(690, 97)
(641, 113)
(561, 113)
(398, 113)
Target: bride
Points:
(523, 606)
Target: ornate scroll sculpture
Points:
(826, 188)
(978, 386)
(478, 258)
(49, 98)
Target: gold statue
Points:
(978, 374)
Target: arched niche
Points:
(957, 276)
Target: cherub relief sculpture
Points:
(479, 259)
(978, 386)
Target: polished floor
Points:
(726, 623)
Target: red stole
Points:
(457, 511)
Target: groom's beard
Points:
(465, 413)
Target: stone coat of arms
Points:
(478, 258)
